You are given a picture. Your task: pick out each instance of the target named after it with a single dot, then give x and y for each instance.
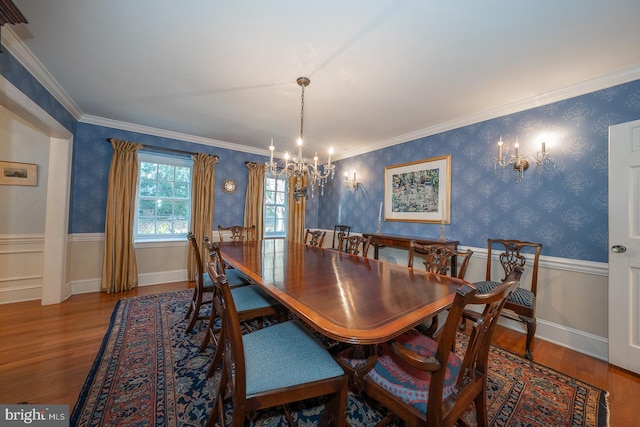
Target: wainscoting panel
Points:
(21, 266)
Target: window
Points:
(275, 206)
(163, 203)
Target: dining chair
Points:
(234, 276)
(422, 380)
(339, 230)
(521, 304)
(314, 237)
(203, 286)
(252, 303)
(273, 366)
(437, 258)
(352, 245)
(238, 232)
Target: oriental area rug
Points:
(148, 372)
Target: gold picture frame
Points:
(14, 173)
(418, 191)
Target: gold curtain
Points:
(119, 268)
(202, 189)
(295, 213)
(254, 199)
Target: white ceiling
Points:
(382, 71)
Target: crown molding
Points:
(28, 60)
(147, 130)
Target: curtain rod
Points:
(173, 150)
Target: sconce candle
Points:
(380, 213)
(500, 149)
(544, 148)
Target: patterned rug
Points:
(148, 372)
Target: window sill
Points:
(178, 241)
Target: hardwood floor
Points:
(46, 353)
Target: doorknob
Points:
(619, 249)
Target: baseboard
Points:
(573, 339)
(149, 279)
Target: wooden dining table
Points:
(346, 298)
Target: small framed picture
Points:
(418, 191)
(12, 173)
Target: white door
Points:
(624, 246)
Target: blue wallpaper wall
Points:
(13, 71)
(92, 159)
(566, 210)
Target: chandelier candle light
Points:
(297, 166)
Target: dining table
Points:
(347, 298)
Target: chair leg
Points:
(217, 357)
(531, 332)
(193, 301)
(196, 312)
(481, 408)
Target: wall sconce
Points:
(519, 160)
(349, 183)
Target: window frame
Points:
(164, 159)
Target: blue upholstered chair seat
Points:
(283, 355)
(251, 297)
(520, 296)
(206, 281)
(236, 277)
(411, 385)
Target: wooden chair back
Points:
(238, 233)
(353, 244)
(214, 257)
(437, 258)
(471, 383)
(338, 232)
(314, 237)
(511, 254)
(199, 288)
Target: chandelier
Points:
(297, 167)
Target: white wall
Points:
(23, 207)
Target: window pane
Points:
(182, 189)
(164, 227)
(270, 184)
(165, 172)
(269, 197)
(165, 189)
(148, 170)
(165, 208)
(280, 198)
(147, 188)
(146, 226)
(281, 185)
(183, 174)
(181, 226)
(181, 209)
(147, 207)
